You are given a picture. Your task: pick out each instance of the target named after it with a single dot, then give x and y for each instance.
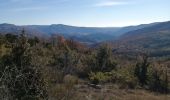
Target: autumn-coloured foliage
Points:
(37, 69)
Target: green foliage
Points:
(33, 41)
(20, 77)
(124, 77)
(65, 60)
(141, 71)
(35, 69)
(158, 80)
(101, 59)
(104, 59)
(99, 77)
(11, 38)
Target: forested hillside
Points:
(154, 39)
(63, 69)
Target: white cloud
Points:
(107, 3)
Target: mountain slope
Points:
(154, 39)
(14, 29)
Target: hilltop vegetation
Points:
(63, 69)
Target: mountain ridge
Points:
(82, 34)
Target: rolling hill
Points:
(88, 35)
(154, 39)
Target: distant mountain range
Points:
(89, 35)
(153, 38)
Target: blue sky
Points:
(99, 13)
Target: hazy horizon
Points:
(85, 13)
(84, 26)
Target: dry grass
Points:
(85, 92)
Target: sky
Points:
(90, 13)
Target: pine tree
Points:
(104, 58)
(141, 71)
